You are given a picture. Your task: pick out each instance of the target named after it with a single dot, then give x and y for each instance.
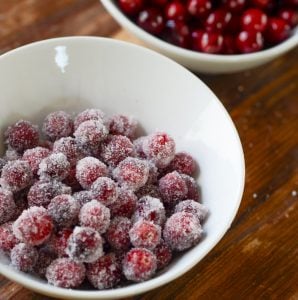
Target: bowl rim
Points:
(155, 282)
(121, 18)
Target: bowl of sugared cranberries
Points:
(210, 36)
(120, 170)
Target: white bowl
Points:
(80, 72)
(202, 62)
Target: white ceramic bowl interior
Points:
(202, 62)
(83, 72)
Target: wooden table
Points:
(258, 257)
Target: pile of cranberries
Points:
(88, 200)
(215, 26)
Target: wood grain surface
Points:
(258, 257)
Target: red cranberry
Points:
(182, 163)
(175, 11)
(104, 273)
(139, 264)
(151, 20)
(104, 190)
(34, 226)
(196, 36)
(289, 15)
(131, 7)
(45, 258)
(229, 45)
(277, 30)
(199, 8)
(254, 19)
(57, 125)
(193, 207)
(117, 234)
(34, 157)
(123, 125)
(59, 241)
(23, 257)
(234, 6)
(249, 41)
(234, 25)
(95, 215)
(66, 273)
(182, 231)
(7, 238)
(218, 20)
(88, 170)
(84, 245)
(7, 205)
(263, 4)
(177, 33)
(192, 187)
(163, 254)
(89, 114)
(22, 135)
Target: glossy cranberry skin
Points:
(211, 42)
(290, 16)
(175, 11)
(234, 24)
(151, 20)
(177, 33)
(234, 6)
(277, 31)
(131, 7)
(229, 45)
(199, 8)
(196, 36)
(249, 41)
(254, 19)
(218, 20)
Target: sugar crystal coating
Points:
(145, 234)
(95, 215)
(104, 190)
(88, 169)
(182, 163)
(139, 264)
(34, 157)
(85, 245)
(11, 154)
(57, 124)
(23, 257)
(148, 190)
(163, 254)
(7, 238)
(193, 207)
(45, 258)
(59, 241)
(66, 273)
(34, 226)
(22, 135)
(104, 273)
(193, 191)
(7, 205)
(89, 114)
(182, 231)
(83, 197)
(123, 125)
(138, 145)
(71, 180)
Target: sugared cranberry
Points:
(104, 190)
(88, 170)
(71, 179)
(125, 204)
(42, 192)
(150, 209)
(289, 15)
(145, 234)
(34, 157)
(163, 254)
(95, 215)
(277, 30)
(23, 257)
(59, 241)
(218, 20)
(57, 125)
(182, 231)
(104, 273)
(22, 135)
(69, 147)
(132, 173)
(117, 234)
(193, 207)
(138, 146)
(175, 11)
(234, 6)
(139, 264)
(7, 205)
(89, 114)
(64, 210)
(148, 190)
(45, 258)
(254, 19)
(193, 191)
(83, 197)
(34, 226)
(229, 45)
(172, 188)
(55, 166)
(177, 33)
(84, 245)
(123, 125)
(66, 273)
(249, 41)
(131, 7)
(7, 238)
(160, 148)
(196, 36)
(199, 8)
(151, 20)
(182, 163)
(116, 148)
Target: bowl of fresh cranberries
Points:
(209, 36)
(119, 169)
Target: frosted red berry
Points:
(182, 163)
(45, 258)
(83, 197)
(23, 257)
(59, 241)
(148, 190)
(66, 273)
(34, 157)
(105, 273)
(249, 41)
(193, 190)
(104, 190)
(7, 205)
(22, 135)
(193, 207)
(88, 169)
(11, 154)
(123, 125)
(34, 226)
(71, 180)
(89, 114)
(139, 264)
(84, 245)
(254, 19)
(7, 238)
(138, 147)
(182, 231)
(57, 124)
(163, 254)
